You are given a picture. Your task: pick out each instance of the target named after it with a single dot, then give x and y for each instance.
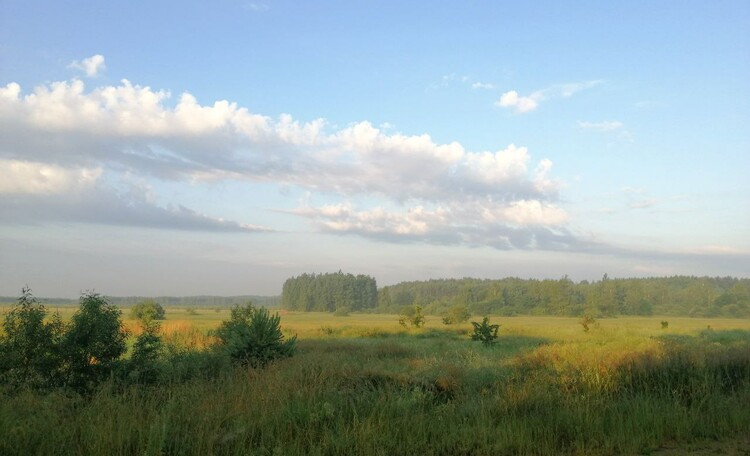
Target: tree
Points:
(93, 343)
(147, 349)
(253, 336)
(485, 332)
(29, 348)
(412, 316)
(458, 313)
(147, 310)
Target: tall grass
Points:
(361, 390)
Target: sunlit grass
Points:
(364, 385)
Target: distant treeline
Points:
(171, 301)
(330, 292)
(678, 296)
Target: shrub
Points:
(253, 336)
(586, 321)
(412, 316)
(93, 343)
(147, 310)
(664, 324)
(29, 350)
(147, 350)
(485, 332)
(457, 314)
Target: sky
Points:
(219, 148)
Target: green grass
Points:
(362, 385)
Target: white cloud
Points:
(36, 193)
(482, 85)
(570, 89)
(523, 104)
(607, 125)
(93, 66)
(435, 188)
(23, 177)
(518, 103)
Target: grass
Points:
(362, 385)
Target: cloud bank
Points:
(62, 139)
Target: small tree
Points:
(485, 332)
(147, 310)
(586, 321)
(457, 314)
(253, 336)
(93, 343)
(29, 347)
(147, 350)
(412, 316)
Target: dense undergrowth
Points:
(424, 391)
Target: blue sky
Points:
(219, 148)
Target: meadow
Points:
(363, 385)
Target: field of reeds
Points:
(363, 385)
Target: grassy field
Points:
(362, 385)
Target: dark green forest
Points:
(330, 292)
(676, 296)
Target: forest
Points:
(676, 296)
(330, 292)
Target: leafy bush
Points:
(457, 314)
(29, 349)
(485, 332)
(93, 343)
(147, 310)
(253, 336)
(586, 321)
(412, 316)
(147, 350)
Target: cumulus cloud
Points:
(23, 177)
(435, 192)
(523, 104)
(518, 103)
(93, 66)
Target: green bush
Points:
(93, 343)
(253, 336)
(412, 316)
(457, 314)
(485, 332)
(147, 310)
(29, 348)
(147, 351)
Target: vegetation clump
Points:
(587, 321)
(485, 332)
(147, 310)
(252, 336)
(412, 316)
(457, 314)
